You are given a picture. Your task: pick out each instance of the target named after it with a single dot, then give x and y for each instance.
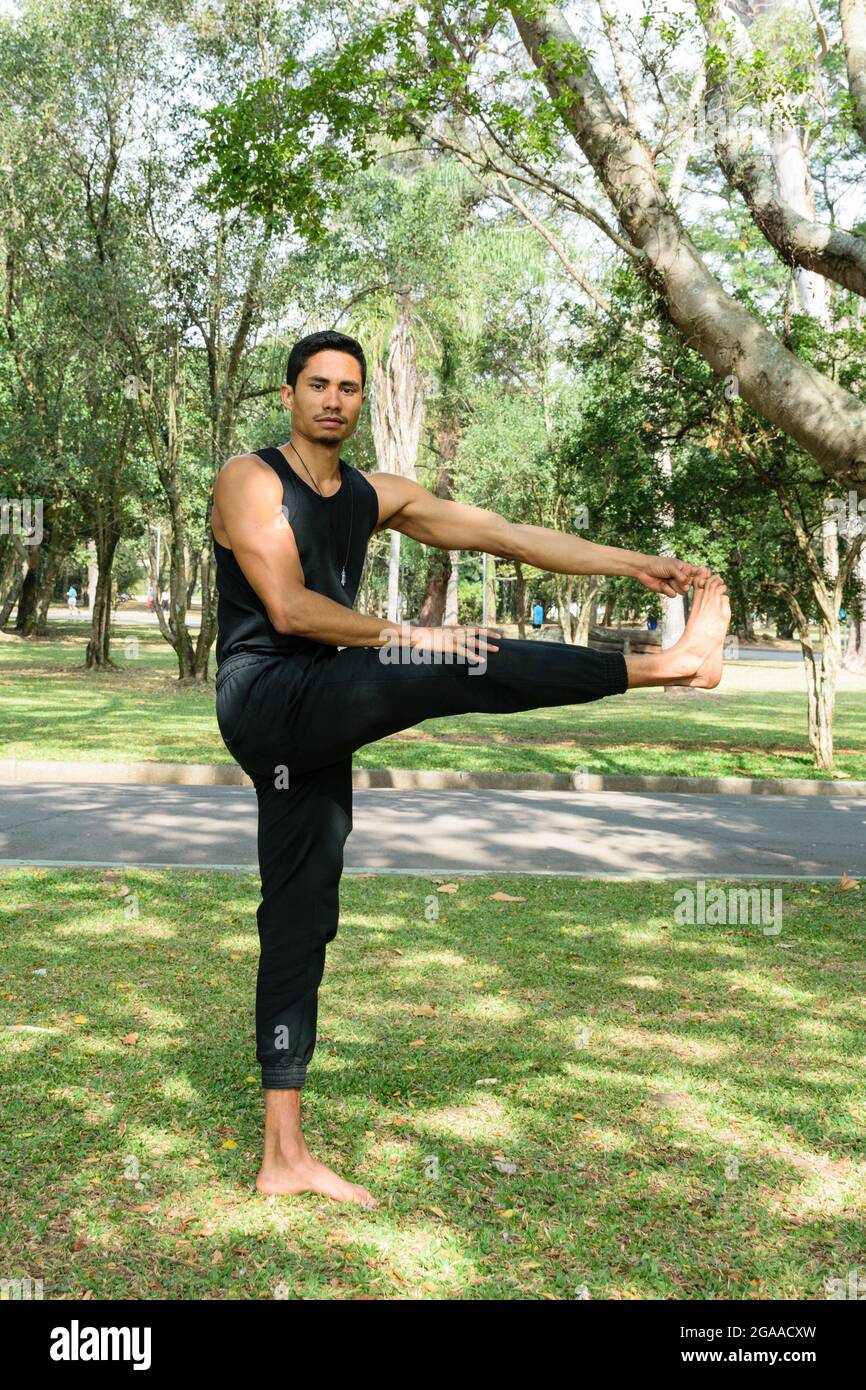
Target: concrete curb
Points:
(14, 770)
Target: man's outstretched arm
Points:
(407, 507)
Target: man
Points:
(303, 680)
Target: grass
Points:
(54, 709)
(701, 1137)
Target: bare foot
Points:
(304, 1174)
(698, 653)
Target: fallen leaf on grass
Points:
(849, 882)
(505, 898)
(131, 1039)
(424, 1011)
(448, 888)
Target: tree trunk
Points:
(92, 574)
(491, 590)
(826, 420)
(588, 587)
(394, 578)
(520, 598)
(821, 678)
(451, 595)
(25, 618)
(99, 646)
(46, 579)
(433, 605)
(855, 652)
(14, 570)
(439, 566)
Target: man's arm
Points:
(407, 507)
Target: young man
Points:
(303, 680)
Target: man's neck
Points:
(309, 458)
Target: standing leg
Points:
(304, 821)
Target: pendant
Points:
(343, 578)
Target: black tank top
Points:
(322, 527)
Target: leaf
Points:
(849, 882)
(419, 1042)
(229, 1144)
(424, 1011)
(80, 1018)
(448, 888)
(131, 1039)
(503, 1166)
(505, 898)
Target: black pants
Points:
(294, 728)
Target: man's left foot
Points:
(696, 659)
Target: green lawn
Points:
(701, 1137)
(52, 708)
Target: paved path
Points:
(603, 833)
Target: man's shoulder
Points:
(241, 469)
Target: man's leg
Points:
(304, 820)
(352, 700)
(361, 694)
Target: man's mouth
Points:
(330, 420)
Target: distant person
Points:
(537, 616)
(72, 599)
(165, 600)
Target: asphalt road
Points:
(603, 833)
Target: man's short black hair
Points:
(305, 348)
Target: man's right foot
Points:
(697, 657)
(306, 1175)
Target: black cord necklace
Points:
(351, 512)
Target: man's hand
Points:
(665, 575)
(464, 641)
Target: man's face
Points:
(328, 389)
